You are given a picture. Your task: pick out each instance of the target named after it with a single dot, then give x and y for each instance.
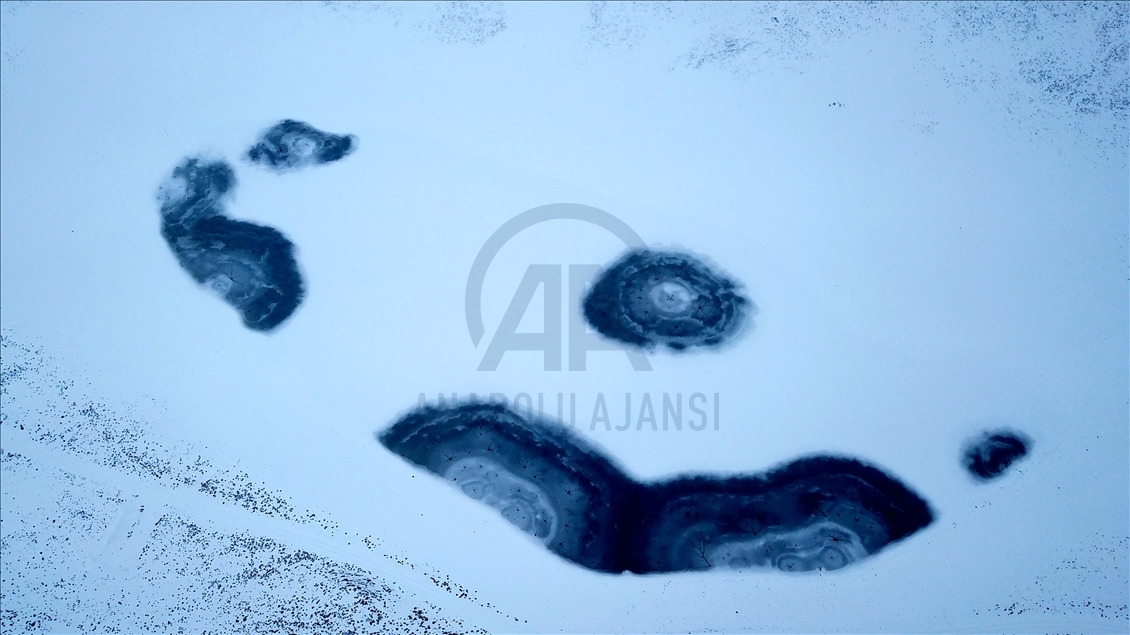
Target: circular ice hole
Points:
(792, 563)
(520, 502)
(832, 558)
(520, 515)
(220, 283)
(303, 147)
(474, 489)
(670, 297)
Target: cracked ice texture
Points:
(290, 145)
(252, 267)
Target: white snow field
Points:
(929, 205)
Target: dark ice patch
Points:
(818, 513)
(989, 456)
(663, 297)
(290, 145)
(251, 266)
(539, 477)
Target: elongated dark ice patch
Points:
(539, 477)
(290, 145)
(990, 455)
(663, 297)
(817, 513)
(250, 266)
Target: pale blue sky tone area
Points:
(928, 203)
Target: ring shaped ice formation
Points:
(816, 513)
(653, 297)
(538, 477)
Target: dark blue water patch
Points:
(540, 477)
(989, 455)
(648, 298)
(816, 513)
(252, 267)
(290, 145)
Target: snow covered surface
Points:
(928, 204)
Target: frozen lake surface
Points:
(878, 381)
